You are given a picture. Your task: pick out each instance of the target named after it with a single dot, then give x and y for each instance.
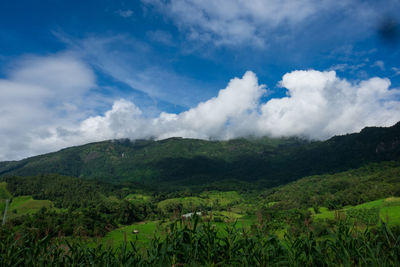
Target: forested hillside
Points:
(333, 191)
(178, 162)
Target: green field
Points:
(20, 205)
(146, 231)
(389, 210)
(26, 205)
(149, 229)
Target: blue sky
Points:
(79, 71)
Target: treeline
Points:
(200, 244)
(88, 207)
(81, 207)
(371, 182)
(64, 191)
(91, 221)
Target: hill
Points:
(178, 162)
(353, 187)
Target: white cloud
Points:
(318, 105)
(62, 75)
(259, 22)
(220, 117)
(38, 93)
(233, 22)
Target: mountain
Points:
(191, 162)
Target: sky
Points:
(73, 72)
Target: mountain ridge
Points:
(180, 161)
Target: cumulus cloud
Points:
(221, 117)
(318, 105)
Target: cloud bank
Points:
(318, 105)
(39, 111)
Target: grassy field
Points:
(26, 205)
(146, 231)
(231, 209)
(150, 228)
(389, 210)
(20, 205)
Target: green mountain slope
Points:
(353, 187)
(178, 161)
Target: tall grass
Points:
(200, 244)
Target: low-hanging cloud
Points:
(318, 105)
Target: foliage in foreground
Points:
(194, 244)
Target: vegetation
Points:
(184, 202)
(353, 187)
(200, 244)
(369, 213)
(4, 194)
